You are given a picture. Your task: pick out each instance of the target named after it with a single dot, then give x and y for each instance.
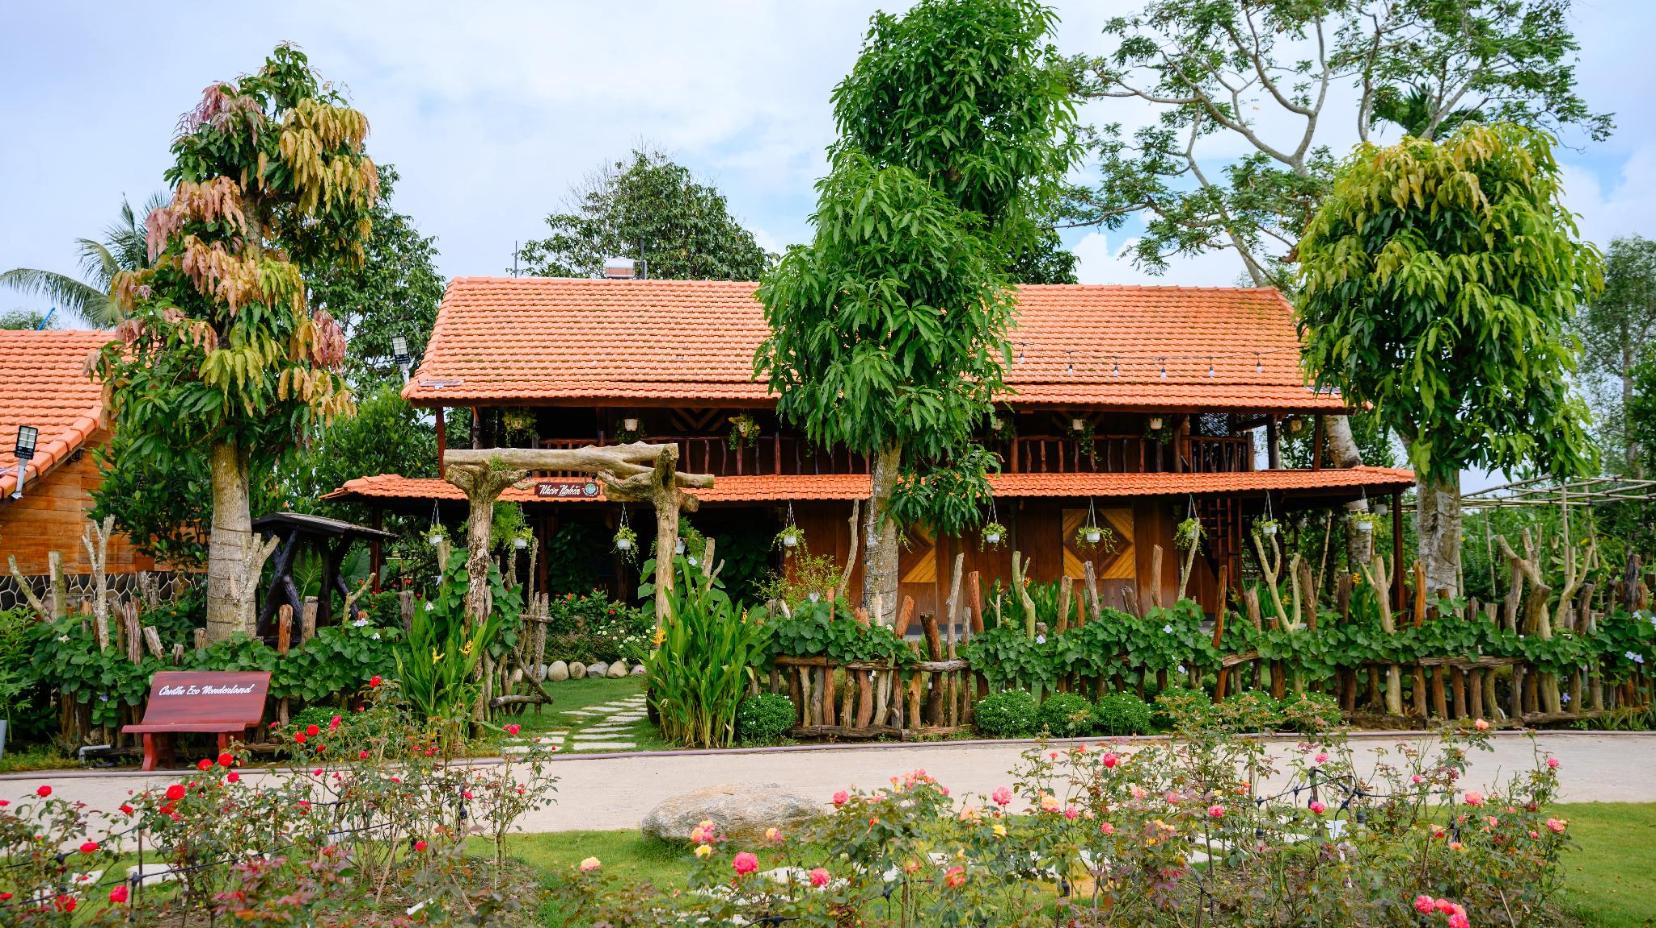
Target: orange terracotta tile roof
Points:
(43, 383)
(855, 486)
(560, 340)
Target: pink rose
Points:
(1002, 796)
(1473, 798)
(1216, 811)
(745, 863)
(1459, 920)
(1481, 725)
(1072, 813)
(819, 877)
(1317, 807)
(1557, 825)
(1445, 906)
(1321, 758)
(1425, 904)
(955, 877)
(1106, 828)
(590, 864)
(841, 798)
(1111, 760)
(1552, 763)
(513, 728)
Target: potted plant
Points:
(992, 535)
(1363, 522)
(1093, 535)
(1266, 527)
(523, 537)
(629, 432)
(434, 536)
(744, 431)
(1188, 534)
(1157, 427)
(791, 537)
(626, 540)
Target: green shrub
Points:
(593, 627)
(1066, 715)
(1251, 710)
(1311, 713)
(1121, 714)
(699, 675)
(764, 718)
(1008, 714)
(1179, 708)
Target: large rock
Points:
(577, 670)
(557, 672)
(597, 669)
(737, 810)
(617, 670)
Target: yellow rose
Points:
(703, 850)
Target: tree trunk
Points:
(1359, 545)
(1440, 535)
(479, 525)
(880, 540)
(230, 593)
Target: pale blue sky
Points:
(492, 110)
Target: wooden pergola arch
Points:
(637, 472)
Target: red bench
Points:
(224, 703)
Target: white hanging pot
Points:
(1093, 536)
(1268, 530)
(623, 544)
(520, 543)
(992, 538)
(789, 541)
(1366, 528)
(434, 539)
(1156, 423)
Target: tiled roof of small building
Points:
(43, 383)
(560, 340)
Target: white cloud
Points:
(1099, 261)
(1625, 207)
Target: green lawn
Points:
(1610, 877)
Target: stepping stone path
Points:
(605, 727)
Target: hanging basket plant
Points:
(1095, 537)
(1159, 428)
(1188, 534)
(790, 538)
(523, 538)
(629, 431)
(993, 535)
(1267, 527)
(744, 432)
(626, 541)
(1363, 522)
(1000, 426)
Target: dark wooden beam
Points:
(1273, 442)
(1397, 551)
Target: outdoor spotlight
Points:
(27, 437)
(399, 349)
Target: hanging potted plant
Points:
(790, 537)
(1092, 535)
(744, 432)
(1363, 522)
(629, 432)
(992, 534)
(626, 540)
(523, 537)
(1157, 427)
(1266, 527)
(1188, 534)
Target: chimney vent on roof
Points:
(619, 269)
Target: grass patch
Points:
(1607, 877)
(35, 757)
(572, 695)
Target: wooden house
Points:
(1134, 406)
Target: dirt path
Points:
(613, 791)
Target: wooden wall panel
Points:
(51, 516)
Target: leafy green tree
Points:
(1276, 77)
(393, 291)
(888, 331)
(221, 349)
(122, 249)
(1438, 283)
(26, 319)
(1046, 262)
(647, 207)
(384, 435)
(1618, 331)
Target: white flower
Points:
(1167, 629)
(1040, 639)
(1635, 657)
(1181, 668)
(360, 623)
(430, 605)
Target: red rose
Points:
(227, 759)
(333, 723)
(89, 847)
(513, 729)
(43, 791)
(374, 680)
(419, 845)
(65, 903)
(300, 738)
(118, 895)
(126, 809)
(175, 792)
(362, 755)
(204, 764)
(312, 730)
(233, 777)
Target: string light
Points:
(1164, 368)
(1210, 367)
(1115, 368)
(1259, 363)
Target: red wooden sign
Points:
(568, 488)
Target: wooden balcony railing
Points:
(1025, 454)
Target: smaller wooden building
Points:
(44, 384)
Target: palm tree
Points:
(123, 249)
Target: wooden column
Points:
(376, 556)
(1397, 551)
(1317, 438)
(442, 436)
(1273, 443)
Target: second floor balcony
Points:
(777, 454)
